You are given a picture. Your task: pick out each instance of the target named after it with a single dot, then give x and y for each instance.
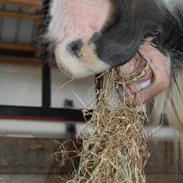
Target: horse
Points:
(91, 36)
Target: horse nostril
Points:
(75, 46)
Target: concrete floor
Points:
(165, 179)
(58, 179)
(13, 178)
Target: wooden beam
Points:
(20, 60)
(20, 15)
(35, 156)
(28, 3)
(19, 47)
(23, 61)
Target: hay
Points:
(115, 150)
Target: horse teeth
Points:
(141, 75)
(146, 67)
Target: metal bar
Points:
(46, 71)
(70, 127)
(46, 82)
(40, 113)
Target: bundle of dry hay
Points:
(115, 150)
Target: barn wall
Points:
(21, 85)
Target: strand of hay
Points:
(115, 150)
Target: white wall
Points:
(82, 91)
(21, 85)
